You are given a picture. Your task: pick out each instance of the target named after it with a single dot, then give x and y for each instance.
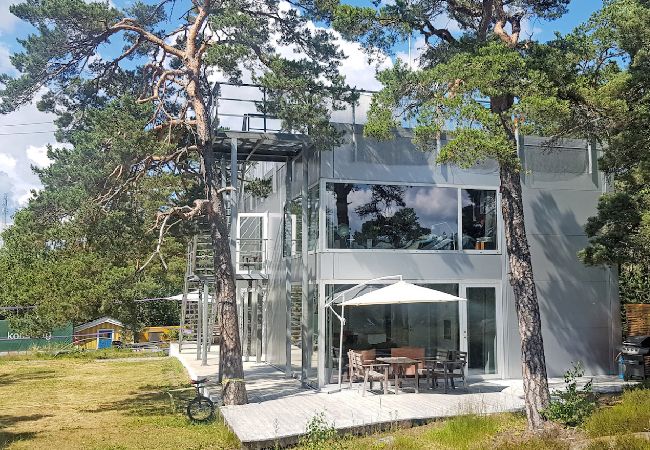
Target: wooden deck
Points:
(280, 408)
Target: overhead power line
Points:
(27, 132)
(24, 124)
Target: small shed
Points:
(99, 333)
(158, 334)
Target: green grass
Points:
(462, 432)
(70, 403)
(631, 414)
(73, 352)
(621, 443)
(608, 428)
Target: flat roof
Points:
(260, 146)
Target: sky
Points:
(25, 133)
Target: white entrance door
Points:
(480, 323)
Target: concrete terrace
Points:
(280, 408)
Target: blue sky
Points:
(25, 133)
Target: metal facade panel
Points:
(552, 211)
(555, 259)
(413, 265)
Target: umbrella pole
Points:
(341, 345)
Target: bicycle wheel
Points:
(200, 409)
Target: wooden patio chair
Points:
(358, 368)
(455, 369)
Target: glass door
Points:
(480, 324)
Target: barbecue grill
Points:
(636, 357)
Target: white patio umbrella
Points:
(396, 293)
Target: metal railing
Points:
(251, 255)
(251, 101)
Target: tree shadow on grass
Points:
(150, 400)
(19, 377)
(8, 437)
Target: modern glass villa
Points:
(373, 209)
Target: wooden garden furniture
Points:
(366, 370)
(449, 365)
(400, 364)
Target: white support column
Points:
(259, 327)
(233, 201)
(287, 267)
(246, 337)
(207, 335)
(304, 320)
(199, 321)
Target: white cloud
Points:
(417, 48)
(5, 62)
(7, 20)
(20, 147)
(7, 163)
(38, 155)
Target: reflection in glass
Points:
(481, 330)
(431, 326)
(312, 327)
(363, 216)
(479, 219)
(296, 328)
(251, 245)
(313, 218)
(292, 236)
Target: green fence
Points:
(12, 341)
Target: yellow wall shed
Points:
(99, 333)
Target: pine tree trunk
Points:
(533, 364)
(234, 388)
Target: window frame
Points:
(322, 226)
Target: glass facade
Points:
(430, 326)
(481, 330)
(292, 235)
(313, 207)
(250, 245)
(376, 216)
(479, 219)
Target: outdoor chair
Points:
(358, 369)
(455, 368)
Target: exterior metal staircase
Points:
(199, 271)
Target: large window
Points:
(479, 219)
(292, 236)
(374, 216)
(431, 326)
(313, 205)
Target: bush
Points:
(320, 435)
(631, 415)
(572, 405)
(172, 335)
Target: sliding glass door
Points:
(480, 322)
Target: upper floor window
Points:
(292, 235)
(375, 216)
(479, 219)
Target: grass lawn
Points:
(81, 403)
(611, 426)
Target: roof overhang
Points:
(260, 146)
(96, 322)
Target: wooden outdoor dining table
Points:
(398, 362)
